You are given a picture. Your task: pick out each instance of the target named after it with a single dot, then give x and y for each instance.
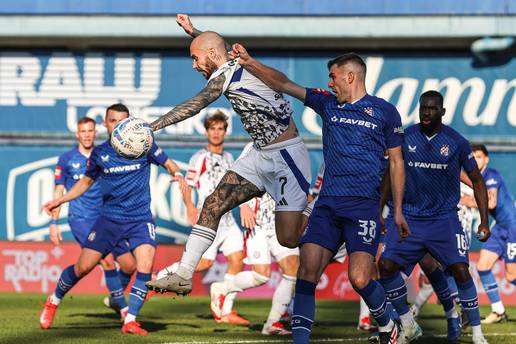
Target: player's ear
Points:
(351, 77)
(444, 112)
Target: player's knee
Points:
(290, 240)
(359, 281)
(460, 272)
(107, 264)
(144, 266)
(428, 264)
(308, 274)
(387, 267)
(483, 265)
(262, 270)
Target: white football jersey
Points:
(264, 113)
(205, 171)
(263, 207)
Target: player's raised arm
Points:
(397, 179)
(270, 76)
(184, 21)
(192, 106)
(76, 191)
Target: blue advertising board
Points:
(44, 91)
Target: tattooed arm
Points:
(192, 106)
(184, 21)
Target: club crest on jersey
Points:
(445, 150)
(369, 111)
(92, 236)
(412, 149)
(105, 158)
(76, 165)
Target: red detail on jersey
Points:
(203, 169)
(256, 205)
(57, 172)
(318, 183)
(320, 90)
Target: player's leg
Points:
(439, 282)
(116, 290)
(232, 191)
(288, 260)
(425, 291)
(313, 259)
(491, 251)
(127, 266)
(88, 259)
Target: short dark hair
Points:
(480, 147)
(433, 94)
(118, 107)
(84, 120)
(218, 116)
(348, 57)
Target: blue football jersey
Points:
(124, 183)
(355, 137)
(505, 212)
(70, 167)
(432, 171)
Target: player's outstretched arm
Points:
(480, 192)
(76, 191)
(184, 21)
(397, 179)
(270, 76)
(192, 106)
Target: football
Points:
(132, 138)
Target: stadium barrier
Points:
(35, 267)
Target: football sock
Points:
(440, 284)
(375, 298)
(304, 311)
(138, 294)
(66, 282)
(198, 242)
(469, 301)
(115, 287)
(281, 298)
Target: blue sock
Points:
(454, 292)
(115, 287)
(490, 286)
(513, 282)
(438, 281)
(304, 311)
(124, 278)
(374, 296)
(66, 282)
(138, 293)
(469, 301)
(392, 310)
(396, 292)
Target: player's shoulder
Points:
(102, 148)
(69, 154)
(225, 68)
(200, 154)
(454, 134)
(413, 129)
(381, 103)
(492, 173)
(227, 155)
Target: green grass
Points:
(84, 319)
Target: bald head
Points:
(209, 40)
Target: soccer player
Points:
(278, 162)
(502, 243)
(125, 221)
(206, 169)
(434, 155)
(261, 243)
(357, 129)
(84, 210)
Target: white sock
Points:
(230, 298)
(424, 294)
(364, 309)
(386, 328)
(245, 280)
(498, 307)
(281, 298)
(54, 299)
(129, 317)
(406, 319)
(198, 242)
(477, 330)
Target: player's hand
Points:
(192, 214)
(178, 178)
(50, 206)
(483, 232)
(402, 225)
(55, 234)
(184, 21)
(239, 51)
(247, 216)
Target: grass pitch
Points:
(84, 319)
